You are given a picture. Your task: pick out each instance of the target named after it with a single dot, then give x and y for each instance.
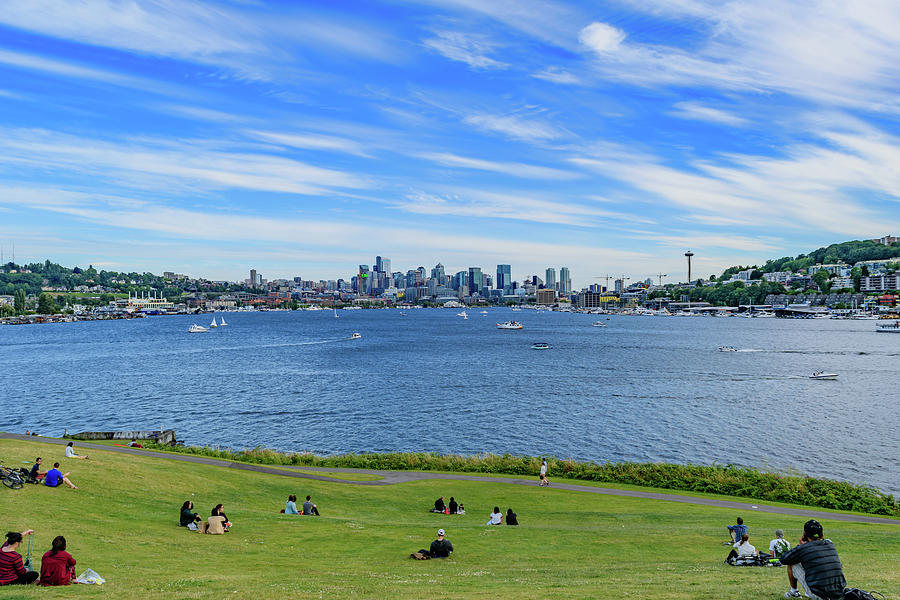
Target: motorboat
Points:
(197, 329)
(540, 346)
(517, 310)
(484, 312)
(888, 327)
(727, 349)
(355, 336)
(509, 325)
(823, 375)
(462, 314)
(213, 324)
(598, 324)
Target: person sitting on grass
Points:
(36, 474)
(453, 506)
(309, 508)
(219, 511)
(779, 545)
(187, 514)
(441, 547)
(461, 510)
(134, 444)
(496, 517)
(290, 507)
(511, 518)
(736, 531)
(70, 451)
(57, 565)
(439, 505)
(815, 565)
(741, 549)
(54, 476)
(12, 569)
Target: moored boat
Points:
(888, 327)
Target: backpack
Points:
(857, 594)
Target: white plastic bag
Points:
(90, 576)
(192, 526)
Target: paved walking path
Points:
(393, 477)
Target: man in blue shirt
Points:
(55, 476)
(738, 530)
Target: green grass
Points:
(122, 522)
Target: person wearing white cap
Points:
(441, 547)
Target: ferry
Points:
(509, 325)
(888, 327)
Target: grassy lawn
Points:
(122, 522)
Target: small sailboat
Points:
(335, 312)
(222, 322)
(213, 324)
(197, 329)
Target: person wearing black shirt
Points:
(439, 505)
(453, 506)
(188, 517)
(441, 547)
(511, 518)
(814, 563)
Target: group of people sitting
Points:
(52, 478)
(496, 517)
(448, 509)
(308, 509)
(813, 564)
(57, 565)
(216, 524)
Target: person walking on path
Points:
(544, 480)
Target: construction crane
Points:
(660, 276)
(607, 278)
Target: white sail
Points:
(213, 324)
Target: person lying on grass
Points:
(12, 569)
(54, 476)
(187, 514)
(70, 452)
(57, 565)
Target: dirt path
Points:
(394, 477)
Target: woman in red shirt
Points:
(57, 565)
(12, 570)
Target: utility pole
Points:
(660, 276)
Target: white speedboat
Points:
(517, 310)
(727, 349)
(598, 324)
(540, 346)
(213, 324)
(888, 327)
(462, 314)
(823, 375)
(197, 329)
(509, 325)
(355, 336)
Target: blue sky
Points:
(305, 138)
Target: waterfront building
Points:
(588, 299)
(879, 283)
(550, 278)
(475, 280)
(565, 281)
(545, 296)
(504, 276)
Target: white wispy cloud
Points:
(699, 112)
(557, 75)
(168, 164)
(312, 141)
(515, 126)
(507, 168)
(601, 38)
(472, 49)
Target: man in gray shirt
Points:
(815, 565)
(309, 508)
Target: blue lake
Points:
(643, 388)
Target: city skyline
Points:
(206, 137)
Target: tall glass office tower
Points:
(504, 277)
(550, 279)
(565, 281)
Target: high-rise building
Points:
(438, 273)
(565, 281)
(550, 279)
(378, 268)
(411, 276)
(619, 286)
(460, 280)
(253, 278)
(385, 266)
(475, 280)
(362, 283)
(504, 277)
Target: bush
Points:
(728, 480)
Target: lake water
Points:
(642, 389)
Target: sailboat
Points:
(335, 312)
(222, 322)
(213, 324)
